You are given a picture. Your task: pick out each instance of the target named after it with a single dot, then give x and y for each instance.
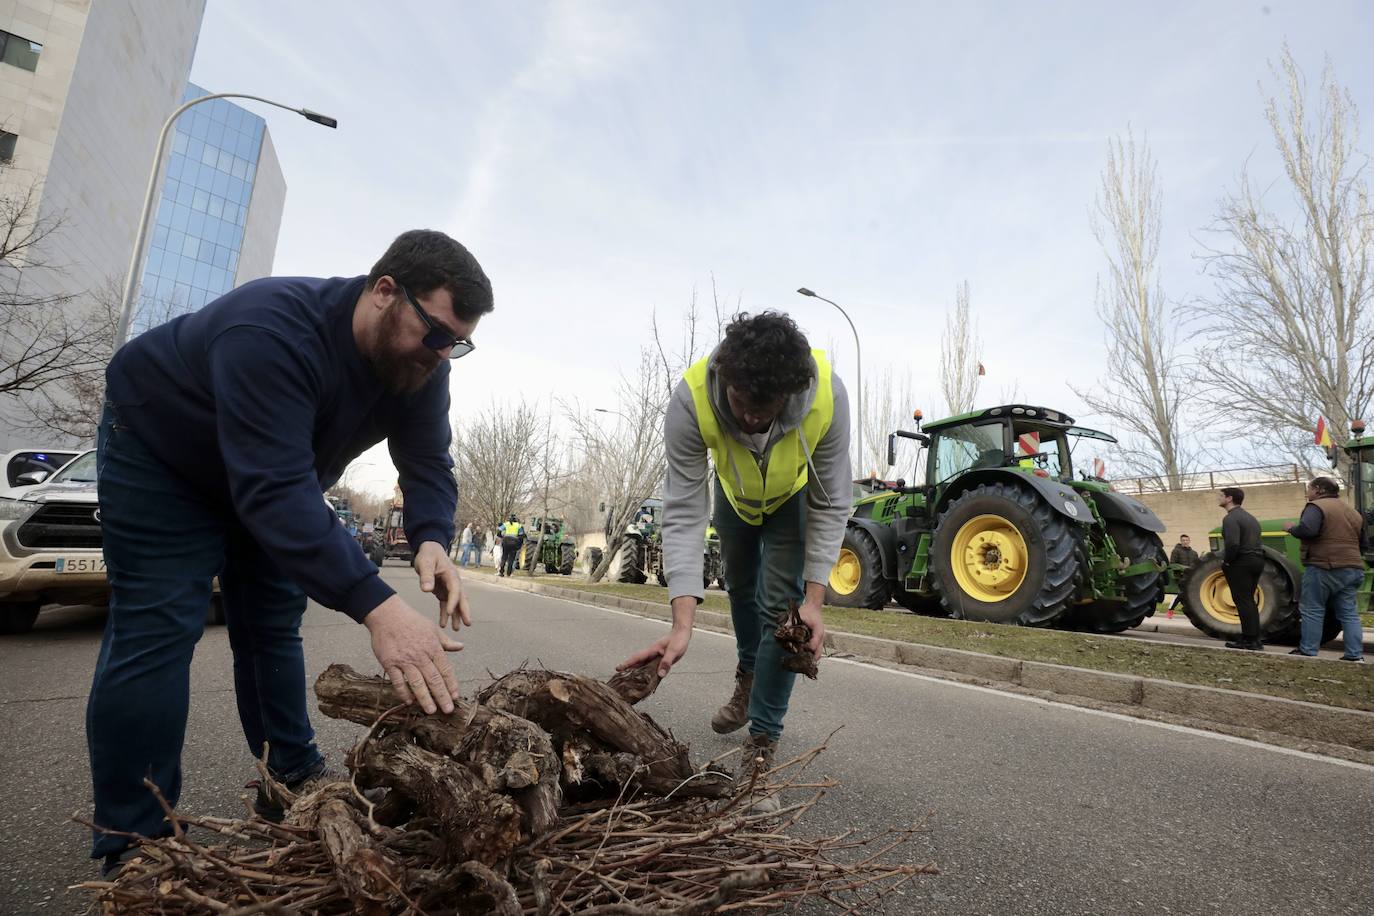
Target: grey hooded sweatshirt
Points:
(687, 490)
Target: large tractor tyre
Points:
(1208, 602)
(1001, 554)
(17, 617)
(916, 603)
(567, 559)
(1289, 635)
(661, 577)
(526, 557)
(856, 579)
(626, 567)
(1142, 592)
(594, 555)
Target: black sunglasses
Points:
(438, 337)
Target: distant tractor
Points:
(393, 544)
(1001, 531)
(1207, 599)
(556, 550)
(640, 556)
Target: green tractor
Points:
(1207, 599)
(556, 550)
(640, 557)
(1001, 531)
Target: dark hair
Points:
(1182, 536)
(423, 260)
(765, 357)
(1326, 486)
(1236, 493)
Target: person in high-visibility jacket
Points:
(512, 539)
(773, 417)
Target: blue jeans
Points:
(471, 549)
(763, 574)
(164, 543)
(1332, 589)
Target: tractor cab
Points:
(1033, 440)
(550, 527)
(1360, 448)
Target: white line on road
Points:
(1106, 714)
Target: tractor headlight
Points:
(12, 509)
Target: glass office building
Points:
(208, 192)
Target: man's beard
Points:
(398, 373)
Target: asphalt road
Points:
(1033, 807)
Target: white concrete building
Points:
(85, 86)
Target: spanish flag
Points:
(1323, 437)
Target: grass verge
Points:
(1332, 683)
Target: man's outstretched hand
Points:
(672, 647)
(440, 577)
(411, 649)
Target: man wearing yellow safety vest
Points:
(512, 538)
(770, 414)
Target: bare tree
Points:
(625, 461)
(548, 492)
(1145, 387)
(889, 402)
(960, 350)
(1293, 335)
(71, 404)
(45, 338)
(494, 461)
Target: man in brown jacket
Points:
(1333, 548)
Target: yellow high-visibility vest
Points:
(744, 484)
(510, 529)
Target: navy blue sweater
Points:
(261, 399)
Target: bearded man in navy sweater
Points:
(221, 430)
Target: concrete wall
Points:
(132, 68)
(260, 230)
(87, 120)
(31, 104)
(1196, 512)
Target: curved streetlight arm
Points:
(858, 368)
(126, 306)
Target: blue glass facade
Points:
(193, 255)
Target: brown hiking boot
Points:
(756, 758)
(736, 712)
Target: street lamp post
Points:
(126, 308)
(858, 368)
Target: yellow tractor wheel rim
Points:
(1218, 602)
(989, 558)
(846, 573)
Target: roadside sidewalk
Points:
(1180, 625)
(1317, 726)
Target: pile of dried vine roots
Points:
(549, 794)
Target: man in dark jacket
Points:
(1333, 548)
(1183, 555)
(1242, 561)
(221, 430)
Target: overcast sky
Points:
(604, 159)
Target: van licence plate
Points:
(81, 564)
